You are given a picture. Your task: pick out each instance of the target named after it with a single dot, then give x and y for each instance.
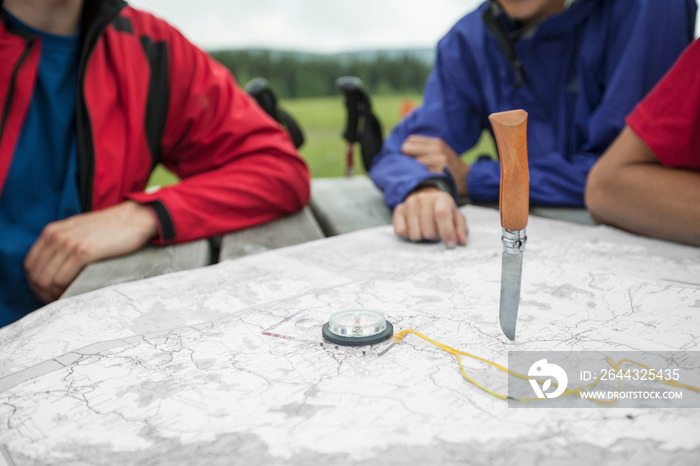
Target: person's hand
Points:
(436, 155)
(432, 215)
(65, 247)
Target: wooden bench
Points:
(287, 231)
(144, 263)
(338, 205)
(343, 205)
(151, 260)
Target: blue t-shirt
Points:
(41, 185)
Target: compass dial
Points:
(357, 327)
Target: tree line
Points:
(294, 75)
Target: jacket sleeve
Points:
(449, 111)
(238, 167)
(644, 43)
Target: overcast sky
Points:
(325, 26)
(310, 25)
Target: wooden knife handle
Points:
(510, 129)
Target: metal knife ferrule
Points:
(514, 241)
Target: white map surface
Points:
(177, 369)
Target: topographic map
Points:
(225, 365)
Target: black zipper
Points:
(13, 84)
(491, 19)
(84, 141)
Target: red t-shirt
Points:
(668, 119)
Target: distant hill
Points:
(426, 55)
(304, 74)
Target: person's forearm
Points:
(651, 200)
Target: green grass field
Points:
(323, 120)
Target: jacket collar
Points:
(575, 12)
(96, 15)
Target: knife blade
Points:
(510, 131)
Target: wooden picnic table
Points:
(226, 364)
(338, 205)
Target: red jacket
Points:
(147, 95)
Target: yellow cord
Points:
(570, 391)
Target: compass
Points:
(357, 327)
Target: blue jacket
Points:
(583, 71)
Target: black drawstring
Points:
(493, 24)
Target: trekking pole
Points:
(351, 87)
(362, 125)
(261, 91)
